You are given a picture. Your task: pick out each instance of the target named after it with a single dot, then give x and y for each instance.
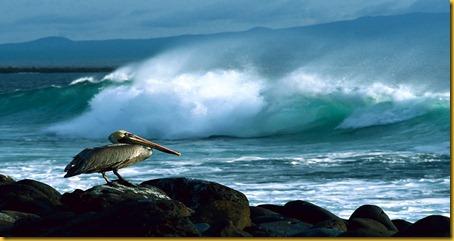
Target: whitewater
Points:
(278, 116)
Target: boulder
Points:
(40, 226)
(29, 196)
(338, 224)
(365, 233)
(105, 196)
(430, 226)
(212, 202)
(401, 224)
(319, 232)
(272, 207)
(136, 218)
(262, 215)
(284, 228)
(307, 212)
(225, 229)
(366, 223)
(5, 179)
(375, 213)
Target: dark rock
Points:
(401, 224)
(263, 215)
(338, 224)
(138, 218)
(307, 212)
(202, 227)
(365, 233)
(212, 202)
(366, 223)
(319, 232)
(47, 190)
(375, 213)
(29, 196)
(105, 196)
(260, 211)
(275, 208)
(283, 228)
(430, 226)
(40, 226)
(5, 179)
(225, 229)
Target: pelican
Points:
(126, 149)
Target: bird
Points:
(126, 149)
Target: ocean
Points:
(361, 119)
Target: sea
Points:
(314, 129)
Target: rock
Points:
(375, 213)
(366, 223)
(430, 226)
(105, 196)
(40, 226)
(283, 228)
(47, 190)
(262, 215)
(260, 211)
(212, 202)
(319, 232)
(6, 220)
(275, 208)
(136, 218)
(401, 224)
(307, 212)
(29, 196)
(225, 229)
(202, 227)
(365, 233)
(5, 179)
(338, 224)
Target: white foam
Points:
(168, 99)
(89, 79)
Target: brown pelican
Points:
(126, 150)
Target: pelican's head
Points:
(122, 136)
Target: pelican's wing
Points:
(104, 158)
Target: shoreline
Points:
(185, 207)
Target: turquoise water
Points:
(298, 136)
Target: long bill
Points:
(142, 141)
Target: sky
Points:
(25, 20)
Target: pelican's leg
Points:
(121, 179)
(105, 177)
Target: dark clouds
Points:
(23, 20)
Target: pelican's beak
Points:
(142, 141)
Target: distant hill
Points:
(420, 32)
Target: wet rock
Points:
(307, 212)
(40, 226)
(365, 233)
(319, 232)
(375, 213)
(401, 224)
(202, 227)
(283, 228)
(366, 223)
(225, 229)
(105, 196)
(430, 226)
(29, 196)
(275, 208)
(338, 224)
(212, 202)
(262, 215)
(5, 179)
(137, 218)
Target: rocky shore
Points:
(184, 207)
